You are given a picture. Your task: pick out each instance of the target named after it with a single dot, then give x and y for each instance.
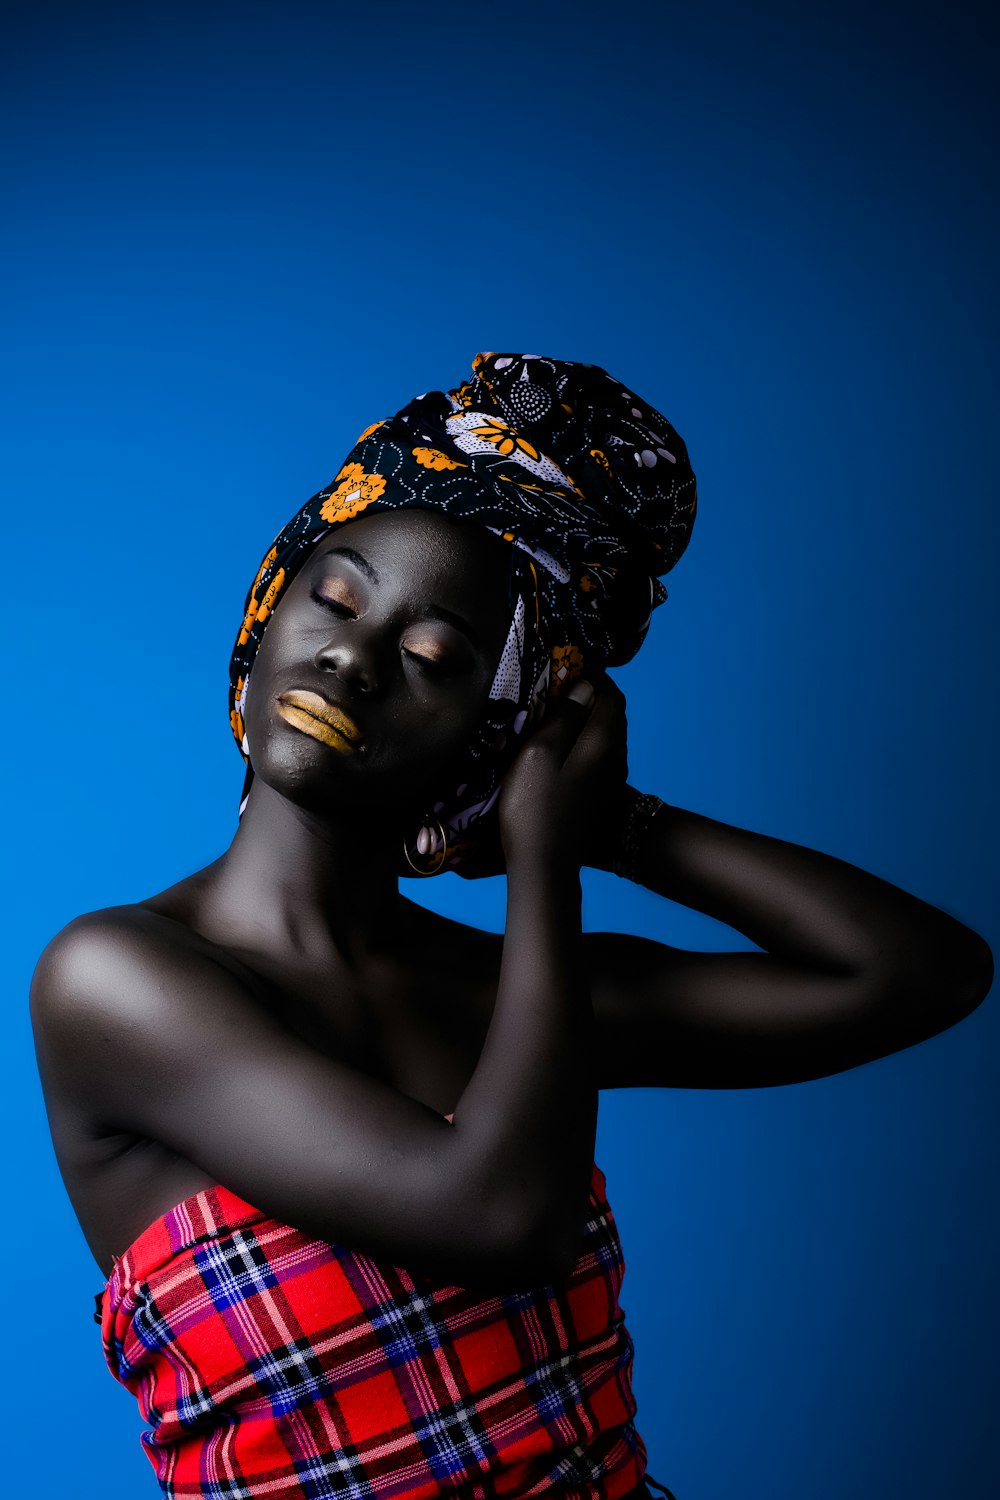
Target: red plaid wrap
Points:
(268, 1363)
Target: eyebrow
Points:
(435, 611)
(356, 558)
(438, 612)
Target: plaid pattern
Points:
(271, 1364)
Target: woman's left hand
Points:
(605, 817)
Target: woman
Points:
(334, 1153)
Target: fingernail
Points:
(582, 691)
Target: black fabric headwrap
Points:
(591, 486)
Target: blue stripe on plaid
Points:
(450, 1438)
(407, 1327)
(331, 1476)
(272, 1372)
(234, 1268)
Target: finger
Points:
(605, 731)
(607, 689)
(581, 691)
(607, 711)
(564, 718)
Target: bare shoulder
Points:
(94, 929)
(91, 947)
(111, 969)
(144, 1030)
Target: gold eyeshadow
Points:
(332, 590)
(337, 591)
(430, 649)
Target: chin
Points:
(339, 787)
(328, 796)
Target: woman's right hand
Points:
(549, 787)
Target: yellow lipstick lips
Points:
(314, 716)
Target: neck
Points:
(303, 882)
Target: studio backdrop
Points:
(236, 237)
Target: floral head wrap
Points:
(590, 485)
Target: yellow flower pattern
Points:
(567, 664)
(433, 458)
(506, 439)
(355, 490)
(254, 605)
(464, 395)
(235, 717)
(273, 590)
(369, 430)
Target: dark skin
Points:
(286, 1023)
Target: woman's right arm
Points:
(151, 1036)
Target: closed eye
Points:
(435, 665)
(428, 663)
(334, 604)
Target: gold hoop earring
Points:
(434, 869)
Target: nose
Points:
(352, 656)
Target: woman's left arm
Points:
(853, 968)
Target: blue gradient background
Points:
(241, 235)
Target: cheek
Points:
(254, 701)
(424, 733)
(260, 690)
(271, 653)
(429, 739)
(454, 716)
(255, 721)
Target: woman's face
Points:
(373, 674)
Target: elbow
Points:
(553, 1242)
(540, 1260)
(950, 979)
(978, 972)
(963, 975)
(512, 1266)
(495, 1264)
(535, 1250)
(563, 1255)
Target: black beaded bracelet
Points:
(642, 810)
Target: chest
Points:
(418, 1027)
(421, 1030)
